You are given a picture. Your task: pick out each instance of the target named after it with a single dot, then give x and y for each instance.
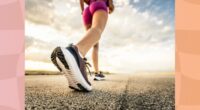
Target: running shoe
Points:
(69, 62)
(99, 76)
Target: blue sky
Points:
(164, 9)
(139, 35)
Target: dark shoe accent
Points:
(58, 53)
(73, 88)
(82, 88)
(99, 76)
(62, 58)
(53, 58)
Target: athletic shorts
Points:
(91, 9)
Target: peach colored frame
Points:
(187, 54)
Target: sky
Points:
(139, 35)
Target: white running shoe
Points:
(68, 61)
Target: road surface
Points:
(118, 92)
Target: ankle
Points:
(81, 53)
(97, 72)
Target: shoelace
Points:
(87, 65)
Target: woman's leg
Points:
(95, 51)
(95, 57)
(94, 33)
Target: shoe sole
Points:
(57, 58)
(82, 84)
(98, 79)
(67, 73)
(66, 61)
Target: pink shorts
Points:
(91, 9)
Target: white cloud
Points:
(160, 22)
(121, 2)
(136, 1)
(145, 15)
(166, 29)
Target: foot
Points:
(69, 62)
(99, 76)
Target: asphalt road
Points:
(118, 92)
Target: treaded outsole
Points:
(53, 58)
(60, 55)
(80, 87)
